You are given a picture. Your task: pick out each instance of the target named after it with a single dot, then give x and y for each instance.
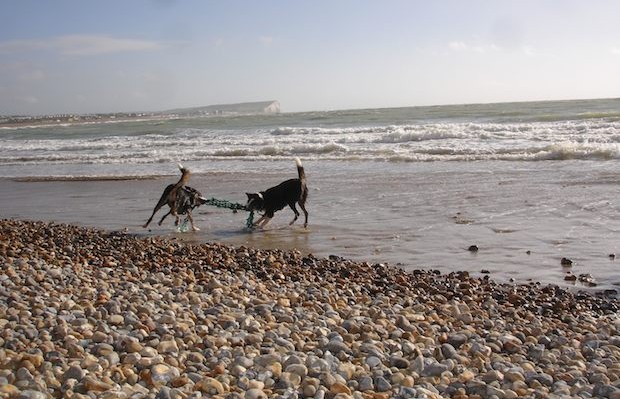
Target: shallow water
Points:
(524, 216)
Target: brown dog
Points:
(180, 198)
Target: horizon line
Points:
(169, 109)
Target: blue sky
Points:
(78, 56)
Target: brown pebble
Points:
(180, 381)
(219, 369)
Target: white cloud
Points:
(458, 46)
(461, 46)
(486, 48)
(81, 45)
(615, 51)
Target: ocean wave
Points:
(279, 151)
(585, 131)
(424, 135)
(441, 154)
(318, 149)
(236, 152)
(304, 131)
(557, 152)
(569, 151)
(553, 152)
(463, 140)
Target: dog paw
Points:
(195, 229)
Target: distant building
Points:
(262, 107)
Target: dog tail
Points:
(302, 179)
(300, 171)
(185, 173)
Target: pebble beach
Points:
(86, 313)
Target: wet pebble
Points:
(85, 313)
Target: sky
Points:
(81, 56)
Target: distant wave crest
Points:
(340, 136)
(404, 136)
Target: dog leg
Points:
(145, 225)
(292, 205)
(191, 221)
(258, 222)
(162, 201)
(302, 205)
(265, 219)
(157, 207)
(163, 217)
(174, 213)
(264, 222)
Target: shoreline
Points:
(405, 233)
(109, 314)
(39, 179)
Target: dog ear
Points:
(249, 195)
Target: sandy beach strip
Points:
(34, 179)
(93, 314)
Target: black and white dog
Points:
(273, 199)
(180, 198)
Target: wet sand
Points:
(524, 218)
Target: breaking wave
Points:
(460, 133)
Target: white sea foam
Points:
(530, 132)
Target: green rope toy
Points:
(249, 223)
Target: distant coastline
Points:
(70, 119)
(262, 107)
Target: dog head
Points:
(199, 200)
(256, 202)
(196, 198)
(190, 198)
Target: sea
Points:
(527, 184)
